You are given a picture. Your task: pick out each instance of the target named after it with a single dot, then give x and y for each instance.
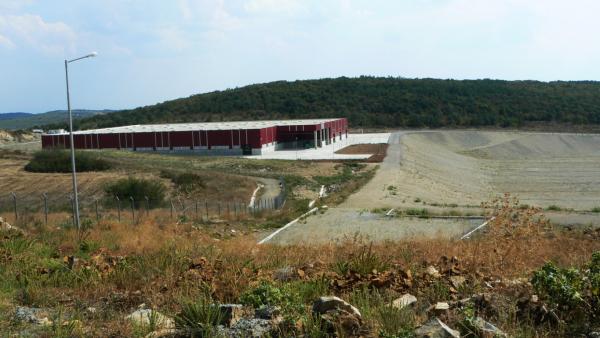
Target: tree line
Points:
(380, 102)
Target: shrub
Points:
(573, 293)
(186, 182)
(139, 189)
(596, 209)
(59, 161)
(554, 208)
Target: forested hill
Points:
(380, 102)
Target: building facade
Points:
(215, 138)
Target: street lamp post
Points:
(74, 173)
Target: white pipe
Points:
(253, 198)
(266, 239)
(468, 234)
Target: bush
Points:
(573, 293)
(59, 161)
(139, 189)
(186, 182)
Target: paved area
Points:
(328, 152)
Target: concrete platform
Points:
(327, 152)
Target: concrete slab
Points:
(327, 152)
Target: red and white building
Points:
(216, 138)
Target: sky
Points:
(150, 51)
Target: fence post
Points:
(118, 208)
(206, 206)
(196, 210)
(172, 209)
(45, 197)
(72, 200)
(132, 209)
(97, 214)
(235, 209)
(219, 209)
(228, 211)
(147, 205)
(14, 197)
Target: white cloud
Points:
(33, 32)
(6, 42)
(274, 6)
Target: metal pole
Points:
(74, 173)
(14, 196)
(132, 209)
(97, 214)
(147, 205)
(118, 208)
(206, 206)
(45, 207)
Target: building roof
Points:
(234, 125)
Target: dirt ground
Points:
(378, 150)
(471, 167)
(456, 171)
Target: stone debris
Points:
(162, 333)
(268, 312)
(457, 281)
(144, 317)
(432, 271)
(333, 303)
(487, 329)
(32, 315)
(339, 317)
(231, 314)
(435, 328)
(404, 301)
(5, 226)
(247, 328)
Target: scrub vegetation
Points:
(59, 161)
(88, 287)
(379, 102)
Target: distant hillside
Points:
(381, 102)
(10, 116)
(15, 121)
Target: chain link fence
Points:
(58, 209)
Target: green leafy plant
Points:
(198, 319)
(139, 189)
(59, 161)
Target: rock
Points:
(5, 226)
(165, 333)
(404, 301)
(333, 303)
(32, 315)
(144, 317)
(268, 312)
(285, 274)
(487, 329)
(432, 271)
(457, 281)
(231, 313)
(339, 316)
(246, 328)
(435, 328)
(91, 309)
(441, 306)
